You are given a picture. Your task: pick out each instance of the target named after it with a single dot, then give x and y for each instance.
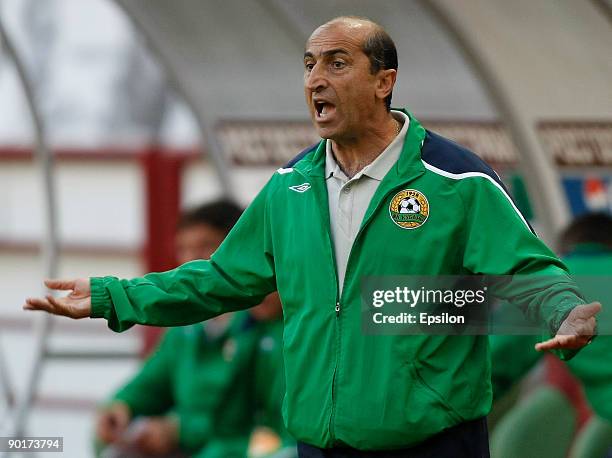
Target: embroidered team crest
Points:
(409, 209)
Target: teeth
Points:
(321, 108)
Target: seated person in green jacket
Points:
(195, 396)
(270, 439)
(586, 247)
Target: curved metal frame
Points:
(50, 246)
(540, 174)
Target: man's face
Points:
(338, 84)
(197, 242)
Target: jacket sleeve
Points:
(149, 392)
(499, 242)
(238, 275)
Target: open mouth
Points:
(323, 109)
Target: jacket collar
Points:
(408, 166)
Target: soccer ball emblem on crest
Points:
(409, 209)
(410, 205)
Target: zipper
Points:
(337, 309)
(337, 306)
(332, 417)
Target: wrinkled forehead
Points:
(340, 34)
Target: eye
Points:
(338, 64)
(308, 66)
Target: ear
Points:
(385, 80)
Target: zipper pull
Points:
(337, 308)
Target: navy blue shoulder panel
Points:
(300, 156)
(451, 157)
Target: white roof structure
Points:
(522, 62)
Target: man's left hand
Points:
(576, 331)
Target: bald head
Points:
(352, 24)
(375, 42)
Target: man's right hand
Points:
(112, 422)
(76, 305)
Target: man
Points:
(330, 218)
(193, 396)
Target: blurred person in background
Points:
(270, 439)
(586, 248)
(196, 394)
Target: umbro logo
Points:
(300, 187)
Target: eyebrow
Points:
(330, 52)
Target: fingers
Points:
(586, 311)
(576, 331)
(60, 309)
(563, 342)
(547, 344)
(35, 303)
(60, 284)
(49, 304)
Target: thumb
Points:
(60, 284)
(587, 310)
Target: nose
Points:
(315, 81)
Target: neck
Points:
(353, 154)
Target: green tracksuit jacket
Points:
(344, 387)
(513, 355)
(203, 382)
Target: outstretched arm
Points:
(238, 275)
(524, 271)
